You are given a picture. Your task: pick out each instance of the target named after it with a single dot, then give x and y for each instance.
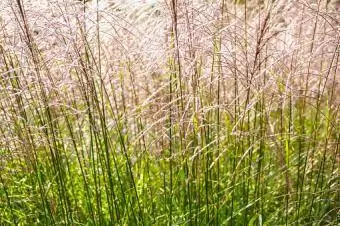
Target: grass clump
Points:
(180, 113)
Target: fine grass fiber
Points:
(169, 113)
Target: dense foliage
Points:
(176, 113)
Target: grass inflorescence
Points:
(170, 113)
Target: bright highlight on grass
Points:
(176, 113)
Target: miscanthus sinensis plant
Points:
(171, 113)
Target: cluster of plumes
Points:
(269, 48)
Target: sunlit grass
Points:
(182, 113)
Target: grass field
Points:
(177, 113)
